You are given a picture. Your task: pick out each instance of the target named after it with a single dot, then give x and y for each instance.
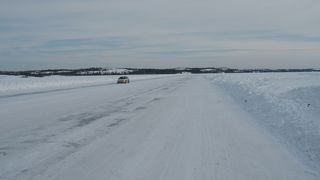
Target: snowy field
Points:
(210, 126)
(12, 85)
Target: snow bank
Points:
(206, 70)
(287, 103)
(10, 85)
(106, 72)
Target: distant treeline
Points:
(105, 71)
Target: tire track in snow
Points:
(95, 123)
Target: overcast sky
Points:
(36, 34)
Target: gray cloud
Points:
(152, 33)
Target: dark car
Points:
(123, 80)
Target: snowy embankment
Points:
(12, 85)
(288, 104)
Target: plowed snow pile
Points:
(288, 104)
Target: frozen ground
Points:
(162, 127)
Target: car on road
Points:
(123, 80)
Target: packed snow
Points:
(211, 126)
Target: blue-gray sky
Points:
(36, 34)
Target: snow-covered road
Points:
(170, 128)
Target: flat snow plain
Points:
(211, 126)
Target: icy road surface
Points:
(170, 128)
